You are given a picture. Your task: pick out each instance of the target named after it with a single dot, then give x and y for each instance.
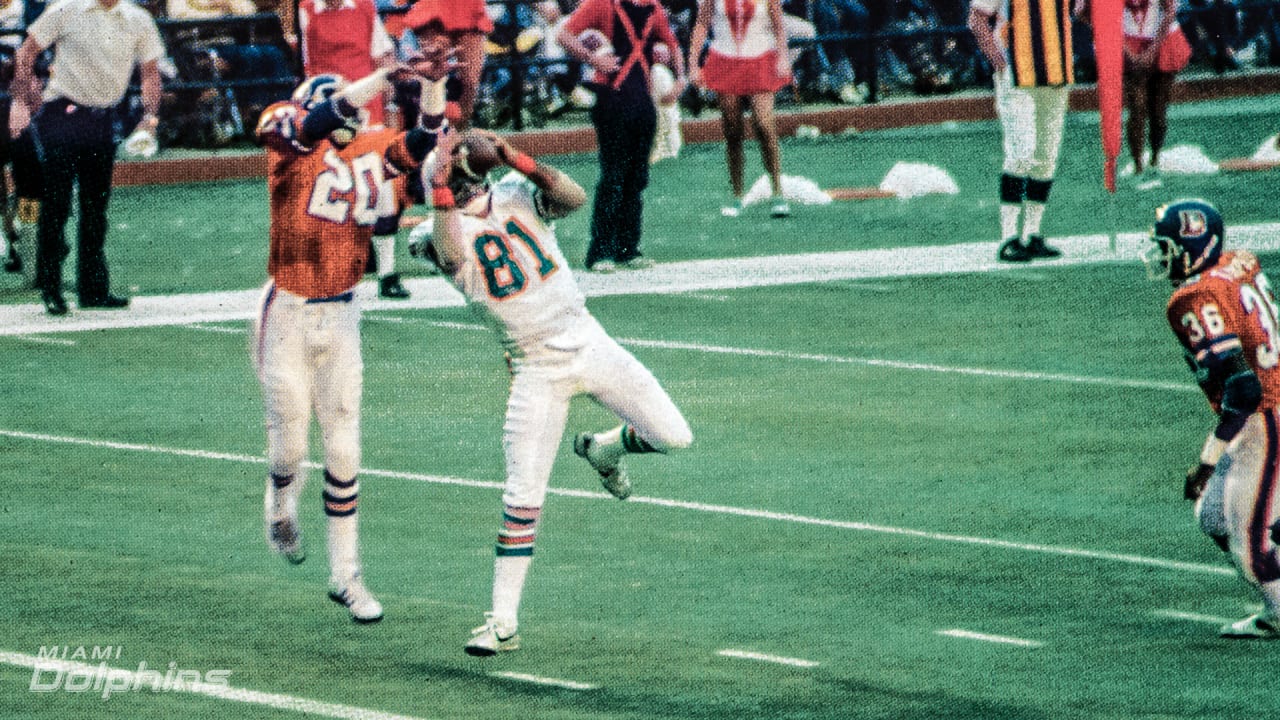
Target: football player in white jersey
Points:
(498, 245)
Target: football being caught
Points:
(477, 155)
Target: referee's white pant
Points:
(1032, 119)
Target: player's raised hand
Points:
(446, 144)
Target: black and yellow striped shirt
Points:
(1038, 36)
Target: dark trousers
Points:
(625, 125)
(75, 143)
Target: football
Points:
(595, 41)
(597, 44)
(477, 155)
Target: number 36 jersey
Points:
(1229, 308)
(513, 269)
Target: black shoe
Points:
(390, 287)
(1038, 249)
(53, 302)
(1012, 250)
(106, 302)
(14, 263)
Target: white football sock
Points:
(340, 501)
(384, 247)
(1033, 214)
(509, 572)
(1009, 215)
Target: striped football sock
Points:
(514, 553)
(284, 496)
(340, 499)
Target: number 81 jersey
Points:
(1229, 308)
(513, 268)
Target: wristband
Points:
(441, 197)
(524, 164)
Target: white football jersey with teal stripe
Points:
(513, 268)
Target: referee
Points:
(97, 45)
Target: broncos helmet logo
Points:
(1188, 235)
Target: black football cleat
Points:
(1039, 249)
(106, 302)
(1012, 250)
(54, 304)
(390, 287)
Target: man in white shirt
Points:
(98, 44)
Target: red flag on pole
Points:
(1108, 48)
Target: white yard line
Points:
(37, 340)
(676, 277)
(929, 367)
(764, 657)
(1193, 617)
(998, 639)
(126, 678)
(1061, 551)
(540, 680)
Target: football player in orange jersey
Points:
(324, 180)
(1225, 314)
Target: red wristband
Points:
(524, 164)
(441, 197)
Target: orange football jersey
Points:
(325, 200)
(1230, 307)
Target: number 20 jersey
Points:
(325, 201)
(513, 268)
(1230, 307)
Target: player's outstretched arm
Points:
(560, 192)
(446, 240)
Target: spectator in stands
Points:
(746, 64)
(623, 33)
(1146, 87)
(1213, 30)
(220, 57)
(208, 9)
(465, 23)
(850, 62)
(74, 128)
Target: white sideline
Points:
(220, 692)
(691, 276)
(1139, 560)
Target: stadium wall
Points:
(889, 114)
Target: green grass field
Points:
(954, 495)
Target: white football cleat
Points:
(492, 638)
(613, 474)
(364, 607)
(1257, 627)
